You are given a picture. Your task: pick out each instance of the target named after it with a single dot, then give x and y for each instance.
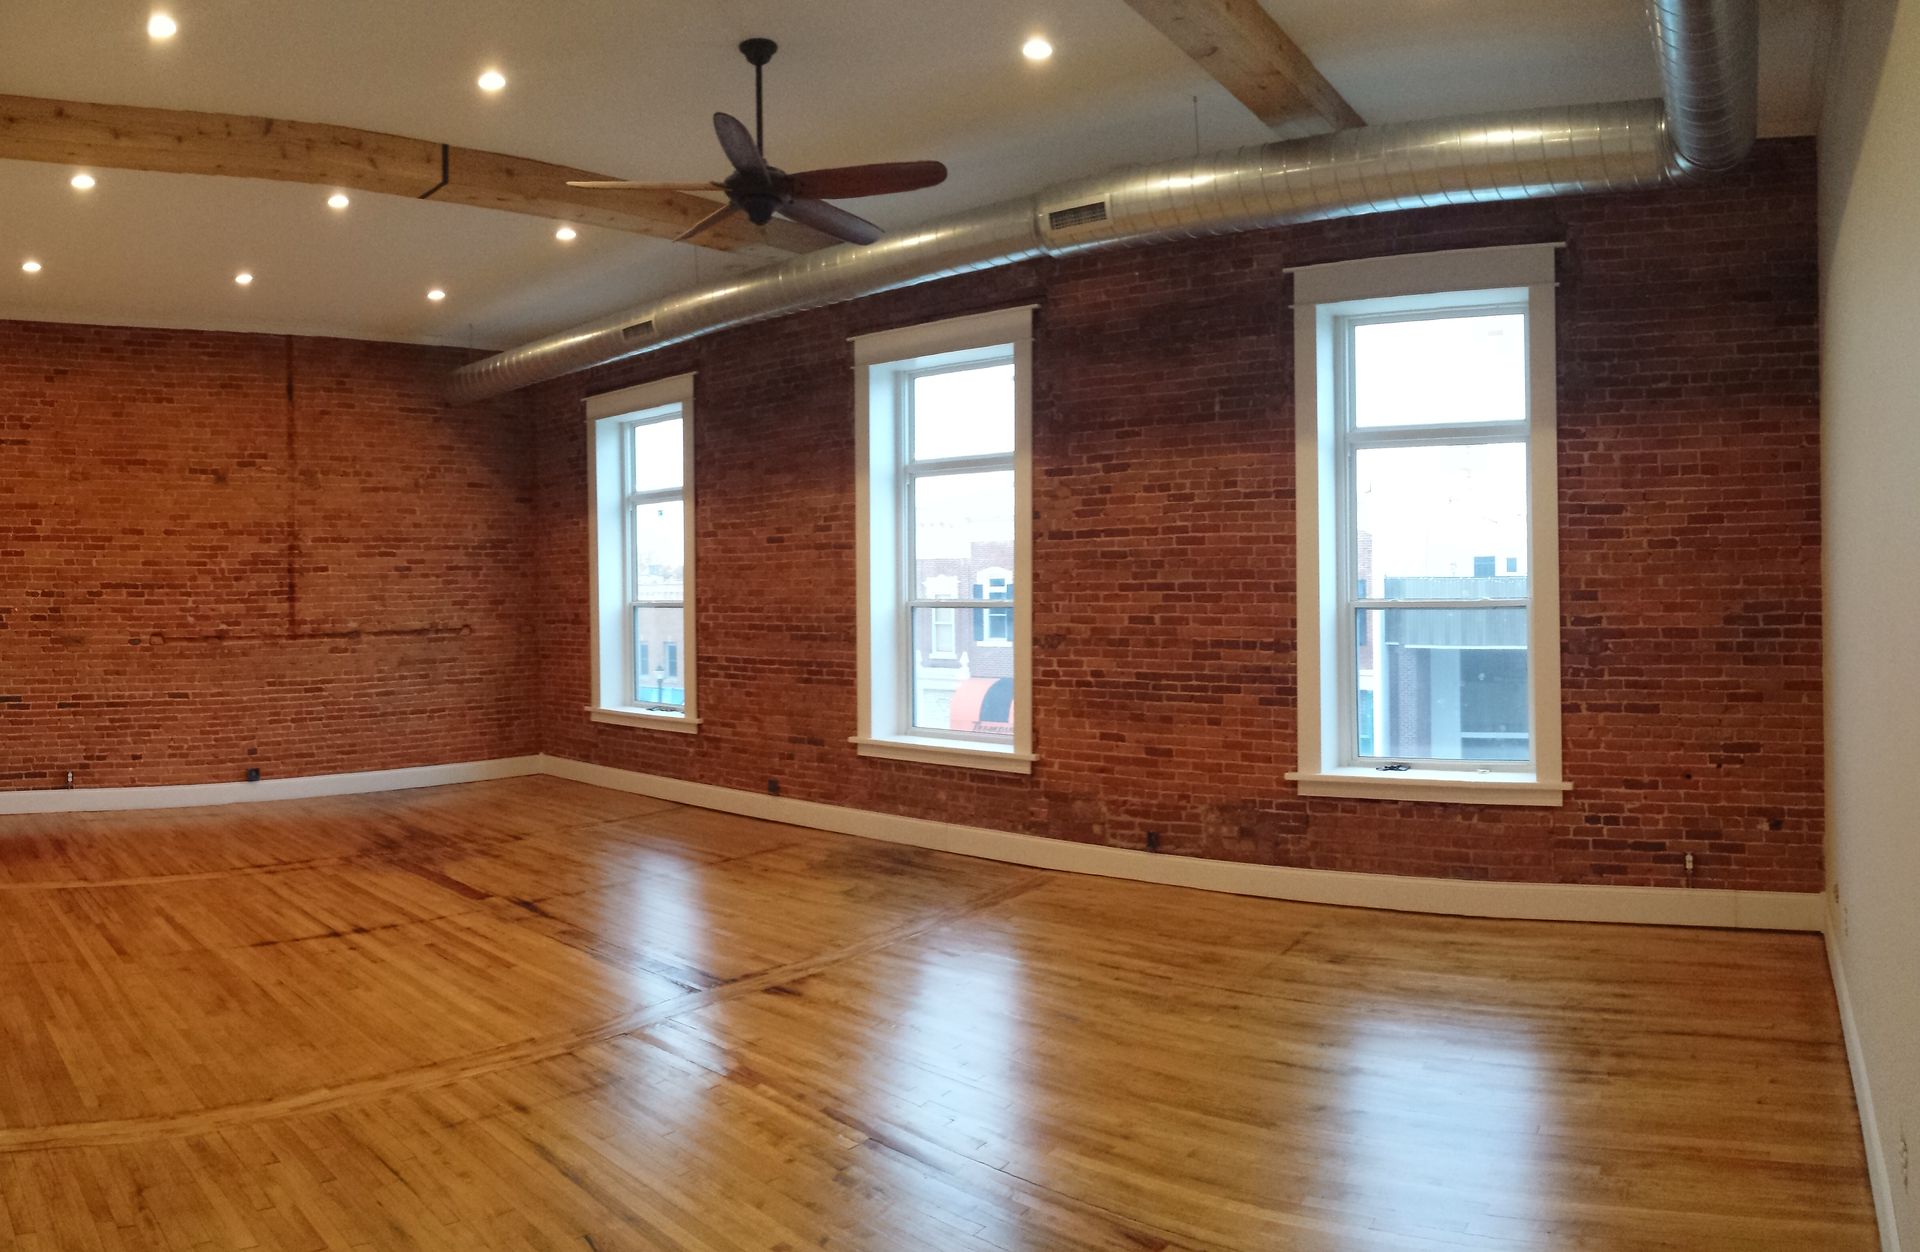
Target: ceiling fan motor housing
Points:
(759, 199)
(759, 208)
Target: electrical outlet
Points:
(1153, 841)
(253, 774)
(773, 786)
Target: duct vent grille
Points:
(1078, 215)
(639, 330)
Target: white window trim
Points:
(883, 732)
(1321, 292)
(611, 629)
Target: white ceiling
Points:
(627, 87)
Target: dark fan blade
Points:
(708, 222)
(615, 184)
(835, 221)
(848, 181)
(737, 141)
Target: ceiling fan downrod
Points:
(758, 52)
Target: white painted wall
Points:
(1870, 244)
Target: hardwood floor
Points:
(538, 1015)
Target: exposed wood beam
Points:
(1245, 51)
(174, 141)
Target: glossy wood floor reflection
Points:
(536, 1015)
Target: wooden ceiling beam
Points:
(1244, 50)
(175, 141)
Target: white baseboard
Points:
(1878, 1175)
(193, 795)
(1653, 906)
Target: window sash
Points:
(1437, 435)
(903, 405)
(630, 546)
(1345, 357)
(984, 464)
(1350, 702)
(1375, 602)
(958, 736)
(631, 502)
(912, 470)
(1349, 439)
(638, 673)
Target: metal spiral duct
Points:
(1705, 123)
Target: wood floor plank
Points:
(529, 1014)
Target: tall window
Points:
(642, 450)
(1429, 615)
(945, 517)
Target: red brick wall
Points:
(1164, 551)
(201, 570)
(220, 551)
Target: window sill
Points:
(946, 752)
(1437, 786)
(640, 717)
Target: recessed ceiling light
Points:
(31, 267)
(492, 80)
(160, 26)
(436, 294)
(338, 200)
(1036, 49)
(82, 182)
(566, 234)
(243, 278)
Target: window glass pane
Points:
(963, 535)
(963, 412)
(660, 550)
(1441, 521)
(1442, 685)
(970, 687)
(659, 462)
(1440, 369)
(657, 634)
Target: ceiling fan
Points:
(760, 190)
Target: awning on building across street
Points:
(983, 705)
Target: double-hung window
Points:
(641, 441)
(943, 421)
(1429, 615)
